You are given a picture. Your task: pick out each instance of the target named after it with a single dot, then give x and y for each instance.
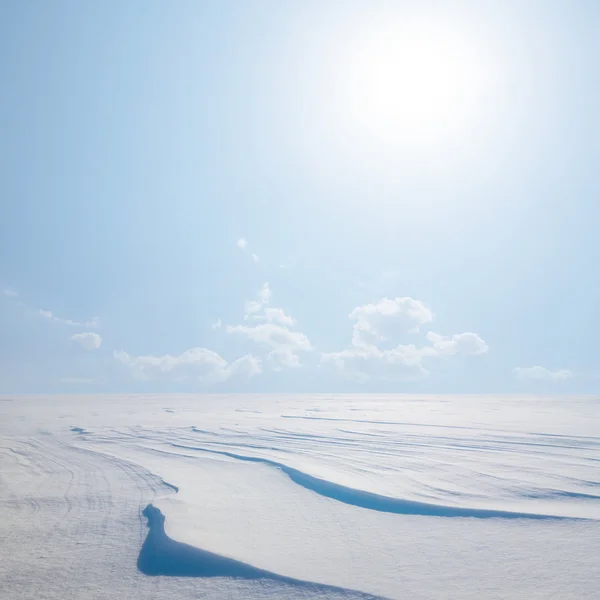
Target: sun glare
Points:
(417, 85)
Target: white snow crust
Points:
(332, 496)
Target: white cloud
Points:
(384, 322)
(372, 320)
(459, 343)
(242, 244)
(265, 293)
(277, 315)
(89, 340)
(538, 373)
(48, 314)
(283, 357)
(361, 364)
(273, 331)
(273, 336)
(415, 310)
(268, 328)
(253, 307)
(200, 364)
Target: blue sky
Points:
(299, 196)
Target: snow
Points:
(330, 496)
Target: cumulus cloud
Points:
(459, 343)
(538, 373)
(270, 328)
(255, 258)
(259, 310)
(283, 357)
(277, 315)
(377, 321)
(200, 364)
(265, 293)
(375, 353)
(273, 336)
(89, 340)
(361, 364)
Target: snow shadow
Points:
(372, 501)
(160, 555)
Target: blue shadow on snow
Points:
(371, 501)
(160, 555)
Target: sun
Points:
(415, 84)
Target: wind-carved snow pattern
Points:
(372, 501)
(300, 497)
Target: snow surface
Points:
(347, 496)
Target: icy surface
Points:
(299, 497)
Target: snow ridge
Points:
(377, 502)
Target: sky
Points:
(299, 196)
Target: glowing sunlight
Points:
(417, 84)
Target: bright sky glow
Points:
(308, 196)
(414, 82)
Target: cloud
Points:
(89, 340)
(375, 353)
(459, 343)
(413, 309)
(200, 364)
(48, 314)
(271, 329)
(259, 310)
(242, 244)
(265, 293)
(283, 357)
(252, 307)
(277, 315)
(372, 320)
(361, 364)
(538, 373)
(273, 336)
